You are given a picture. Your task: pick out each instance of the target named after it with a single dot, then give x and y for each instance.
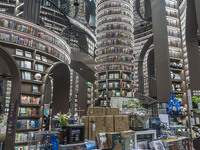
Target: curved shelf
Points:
(115, 38)
(98, 5)
(115, 30)
(98, 23)
(116, 53)
(113, 54)
(113, 8)
(115, 22)
(111, 29)
(38, 29)
(119, 46)
(32, 49)
(115, 63)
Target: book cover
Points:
(44, 59)
(115, 140)
(102, 141)
(35, 88)
(24, 99)
(27, 64)
(19, 52)
(27, 75)
(28, 54)
(37, 56)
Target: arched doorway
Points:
(10, 68)
(57, 88)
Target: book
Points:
(44, 59)
(27, 64)
(28, 54)
(37, 56)
(35, 88)
(19, 52)
(26, 75)
(39, 67)
(102, 141)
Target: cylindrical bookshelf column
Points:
(114, 28)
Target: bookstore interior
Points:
(99, 74)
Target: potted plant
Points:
(63, 119)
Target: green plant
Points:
(64, 118)
(196, 99)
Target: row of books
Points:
(113, 27)
(114, 11)
(174, 23)
(171, 13)
(102, 85)
(29, 100)
(115, 76)
(171, 4)
(30, 43)
(27, 124)
(175, 43)
(175, 33)
(126, 85)
(115, 93)
(111, 50)
(25, 137)
(26, 29)
(28, 54)
(28, 112)
(114, 59)
(113, 85)
(114, 67)
(114, 19)
(174, 54)
(114, 34)
(112, 42)
(101, 1)
(114, 4)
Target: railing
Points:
(65, 20)
(67, 32)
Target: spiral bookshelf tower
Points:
(114, 29)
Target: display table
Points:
(87, 145)
(145, 132)
(181, 143)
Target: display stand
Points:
(75, 134)
(147, 132)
